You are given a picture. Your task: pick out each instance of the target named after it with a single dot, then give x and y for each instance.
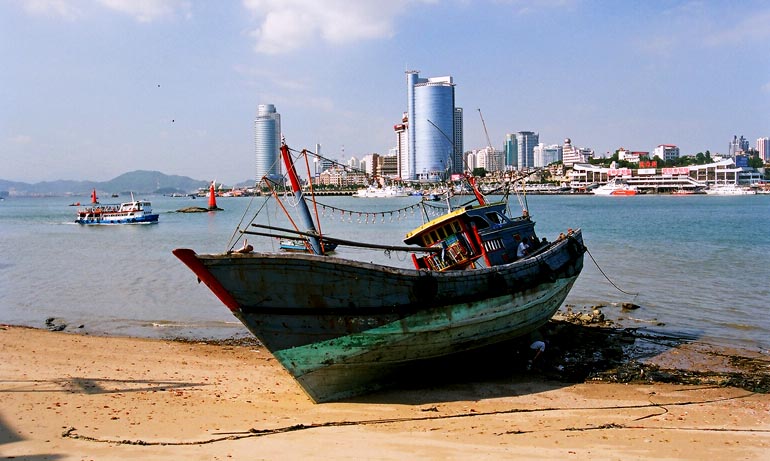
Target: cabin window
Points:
(496, 218)
(480, 223)
(456, 227)
(434, 236)
(442, 232)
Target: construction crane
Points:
(489, 142)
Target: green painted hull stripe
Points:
(305, 359)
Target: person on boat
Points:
(246, 248)
(534, 243)
(522, 249)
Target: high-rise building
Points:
(490, 159)
(402, 146)
(457, 158)
(545, 155)
(738, 146)
(763, 147)
(511, 151)
(431, 114)
(267, 142)
(527, 140)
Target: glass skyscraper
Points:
(527, 140)
(511, 151)
(267, 142)
(431, 115)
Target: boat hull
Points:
(343, 328)
(127, 219)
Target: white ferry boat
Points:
(133, 212)
(729, 189)
(615, 187)
(381, 192)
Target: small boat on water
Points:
(299, 244)
(616, 187)
(133, 212)
(729, 189)
(343, 327)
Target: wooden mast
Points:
(304, 212)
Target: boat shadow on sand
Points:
(578, 349)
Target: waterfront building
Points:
(666, 152)
(267, 142)
(723, 171)
(511, 151)
(572, 155)
(431, 114)
(341, 177)
(763, 147)
(527, 140)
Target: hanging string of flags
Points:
(367, 217)
(372, 217)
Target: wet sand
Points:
(72, 396)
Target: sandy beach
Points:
(72, 397)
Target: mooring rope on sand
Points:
(72, 434)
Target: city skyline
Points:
(92, 89)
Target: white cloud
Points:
(766, 88)
(148, 10)
(287, 25)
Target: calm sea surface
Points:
(698, 263)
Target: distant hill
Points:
(138, 182)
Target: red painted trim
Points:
(190, 259)
(290, 169)
(414, 261)
(481, 245)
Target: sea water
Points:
(696, 265)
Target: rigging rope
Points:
(605, 275)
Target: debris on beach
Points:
(54, 324)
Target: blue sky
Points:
(91, 89)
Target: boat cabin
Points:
(467, 234)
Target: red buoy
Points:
(212, 197)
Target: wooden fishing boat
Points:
(343, 327)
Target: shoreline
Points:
(66, 396)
